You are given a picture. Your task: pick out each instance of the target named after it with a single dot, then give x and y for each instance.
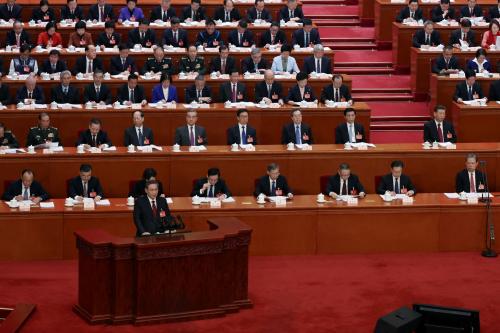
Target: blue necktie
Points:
(243, 135)
(396, 186)
(297, 135)
(273, 188)
(211, 191)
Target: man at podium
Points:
(151, 213)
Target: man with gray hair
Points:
(470, 179)
(255, 63)
(427, 36)
(273, 184)
(269, 90)
(199, 92)
(190, 134)
(65, 92)
(30, 93)
(318, 63)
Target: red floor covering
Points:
(399, 136)
(344, 294)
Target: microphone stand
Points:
(490, 227)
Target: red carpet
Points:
(380, 82)
(396, 136)
(347, 32)
(344, 294)
(362, 56)
(399, 109)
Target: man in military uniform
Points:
(7, 139)
(192, 63)
(159, 63)
(43, 134)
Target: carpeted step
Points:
(381, 82)
(363, 70)
(326, 10)
(393, 110)
(305, 3)
(364, 97)
(396, 136)
(328, 22)
(362, 57)
(362, 45)
(347, 33)
(397, 125)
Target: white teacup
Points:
(234, 147)
(31, 149)
(261, 198)
(290, 146)
(320, 197)
(176, 147)
(130, 201)
(131, 148)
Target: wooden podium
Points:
(163, 278)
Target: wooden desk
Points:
(431, 223)
(386, 12)
(180, 84)
(442, 90)
(215, 119)
(469, 122)
(303, 169)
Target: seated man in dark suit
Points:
(138, 134)
(464, 34)
(163, 13)
(273, 184)
(101, 12)
(411, 13)
(123, 62)
(470, 180)
(109, 37)
(269, 90)
(148, 175)
(193, 12)
(175, 36)
(307, 36)
(242, 36)
(211, 186)
(25, 188)
(65, 92)
(439, 129)
(191, 134)
(296, 132)
(94, 136)
(471, 10)
(427, 36)
(88, 63)
(233, 90)
(131, 93)
(85, 185)
(301, 91)
(242, 133)
(396, 182)
(344, 183)
(97, 92)
(210, 37)
(494, 12)
(291, 12)
(142, 35)
(5, 97)
(318, 62)
(223, 64)
(10, 11)
(151, 213)
(443, 12)
(71, 12)
(337, 91)
(199, 91)
(53, 64)
(17, 36)
(273, 36)
(30, 93)
(7, 138)
(258, 12)
(494, 91)
(469, 89)
(227, 12)
(350, 131)
(255, 63)
(447, 63)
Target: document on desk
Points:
(103, 202)
(452, 195)
(47, 204)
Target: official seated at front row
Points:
(273, 184)
(190, 134)
(94, 136)
(396, 182)
(439, 129)
(344, 183)
(151, 213)
(211, 186)
(85, 185)
(138, 134)
(470, 179)
(26, 188)
(149, 174)
(242, 133)
(349, 131)
(296, 132)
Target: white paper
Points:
(276, 198)
(228, 200)
(112, 148)
(169, 200)
(452, 195)
(47, 204)
(103, 202)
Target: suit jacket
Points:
(94, 12)
(191, 93)
(146, 221)
(471, 64)
(405, 13)
(89, 94)
(310, 65)
(354, 186)
(431, 132)
(22, 94)
(130, 137)
(386, 184)
(456, 35)
(6, 15)
(80, 41)
(462, 181)
(158, 94)
(284, 14)
(213, 40)
(226, 94)
(156, 14)
(246, 40)
(215, 65)
(476, 12)
(294, 94)
(23, 38)
(72, 97)
(5, 97)
(493, 13)
(264, 186)
(298, 37)
(288, 134)
(86, 139)
(123, 94)
(200, 14)
(38, 15)
(233, 134)
(280, 38)
(93, 188)
(77, 13)
(47, 67)
(342, 133)
(419, 38)
(220, 14)
(261, 91)
(182, 136)
(81, 65)
(461, 91)
(16, 188)
(103, 39)
(220, 188)
(117, 67)
(252, 15)
(247, 65)
(139, 187)
(495, 91)
(328, 94)
(134, 37)
(291, 65)
(440, 64)
(182, 39)
(437, 14)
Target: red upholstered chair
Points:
(377, 179)
(323, 181)
(6, 184)
(131, 186)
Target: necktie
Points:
(101, 13)
(94, 141)
(298, 139)
(318, 66)
(469, 88)
(132, 97)
(335, 95)
(25, 194)
(427, 39)
(258, 15)
(411, 14)
(234, 93)
(193, 15)
(471, 12)
(65, 90)
(440, 133)
(272, 39)
(199, 94)
(142, 35)
(307, 40)
(97, 91)
(240, 38)
(447, 64)
(396, 186)
(464, 37)
(273, 188)
(123, 63)
(211, 191)
(243, 135)
(53, 67)
(228, 17)
(165, 16)
(344, 188)
(191, 136)
(269, 88)
(472, 183)
(223, 66)
(291, 14)
(153, 208)
(30, 95)
(175, 37)
(352, 138)
(85, 190)
(89, 68)
(18, 40)
(140, 137)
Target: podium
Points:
(163, 278)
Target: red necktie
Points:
(472, 184)
(440, 133)
(153, 208)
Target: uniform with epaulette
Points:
(9, 140)
(164, 66)
(38, 135)
(197, 65)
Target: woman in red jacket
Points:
(490, 36)
(50, 38)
